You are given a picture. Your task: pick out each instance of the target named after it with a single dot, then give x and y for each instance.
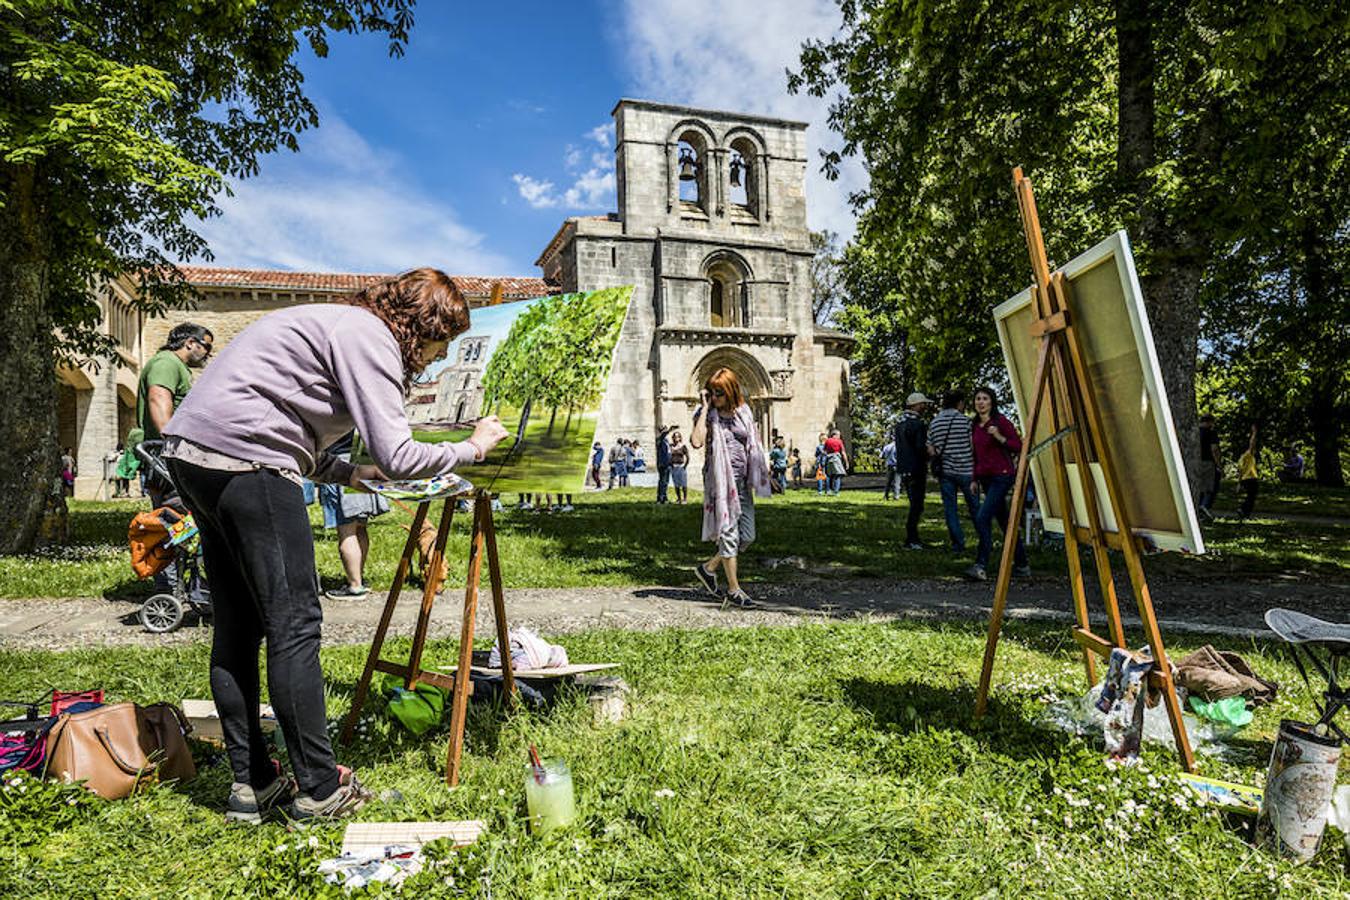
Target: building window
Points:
(727, 296)
(691, 153)
(744, 178)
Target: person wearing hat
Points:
(911, 462)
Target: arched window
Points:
(726, 307)
(467, 377)
(691, 153)
(744, 177)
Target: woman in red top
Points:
(996, 444)
(836, 461)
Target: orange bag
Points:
(149, 539)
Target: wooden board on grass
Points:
(556, 672)
(363, 837)
(205, 720)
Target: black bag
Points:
(936, 462)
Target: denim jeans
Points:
(995, 506)
(836, 482)
(662, 483)
(951, 488)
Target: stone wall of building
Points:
(677, 253)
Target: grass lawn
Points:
(816, 761)
(1277, 497)
(621, 538)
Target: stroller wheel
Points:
(161, 613)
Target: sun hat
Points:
(916, 398)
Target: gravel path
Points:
(1215, 607)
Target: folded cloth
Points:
(1214, 675)
(528, 651)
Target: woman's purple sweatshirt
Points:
(298, 379)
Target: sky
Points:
(467, 153)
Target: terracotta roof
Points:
(341, 282)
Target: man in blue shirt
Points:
(597, 460)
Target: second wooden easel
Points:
(483, 540)
(1062, 383)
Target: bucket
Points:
(1299, 785)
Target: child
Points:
(1248, 478)
(796, 467)
(820, 479)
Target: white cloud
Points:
(734, 56)
(538, 194)
(341, 205)
(591, 188)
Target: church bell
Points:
(688, 168)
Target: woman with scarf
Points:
(734, 471)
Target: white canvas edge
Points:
(1189, 539)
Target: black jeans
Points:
(916, 485)
(662, 484)
(259, 554)
(1249, 488)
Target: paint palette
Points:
(419, 489)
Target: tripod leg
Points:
(459, 702)
(498, 600)
(435, 573)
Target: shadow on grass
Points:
(917, 706)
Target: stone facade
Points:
(721, 272)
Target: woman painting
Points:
(679, 468)
(734, 470)
(239, 445)
(995, 443)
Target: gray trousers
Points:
(739, 533)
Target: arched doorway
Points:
(755, 382)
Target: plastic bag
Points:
(1231, 711)
(418, 710)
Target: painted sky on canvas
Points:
(467, 153)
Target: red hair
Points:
(418, 306)
(726, 381)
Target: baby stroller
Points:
(166, 538)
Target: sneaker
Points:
(741, 599)
(347, 592)
(1205, 514)
(526, 506)
(1022, 571)
(350, 796)
(914, 545)
(566, 507)
(976, 573)
(249, 805)
(707, 579)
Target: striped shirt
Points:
(949, 435)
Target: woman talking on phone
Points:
(734, 470)
(291, 383)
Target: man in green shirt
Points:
(167, 376)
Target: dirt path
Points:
(1222, 607)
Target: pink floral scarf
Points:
(721, 500)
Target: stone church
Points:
(711, 229)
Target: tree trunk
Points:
(34, 511)
(1174, 261)
(568, 423)
(1328, 365)
(553, 417)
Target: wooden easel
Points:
(484, 537)
(1063, 383)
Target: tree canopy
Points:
(1141, 114)
(120, 121)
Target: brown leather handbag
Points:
(114, 749)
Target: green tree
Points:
(1121, 114)
(119, 122)
(827, 282)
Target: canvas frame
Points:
(1115, 251)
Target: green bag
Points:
(418, 710)
(1230, 711)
